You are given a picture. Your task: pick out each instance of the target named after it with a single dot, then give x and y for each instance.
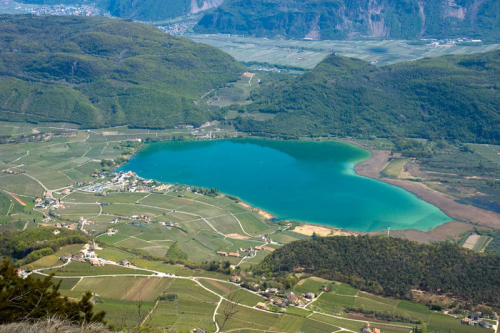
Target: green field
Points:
(307, 54)
(125, 288)
(491, 152)
(394, 168)
(481, 243)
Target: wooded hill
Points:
(104, 72)
(348, 19)
(450, 97)
(23, 247)
(391, 266)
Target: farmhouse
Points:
(467, 321)
(78, 258)
(261, 305)
(66, 191)
(484, 324)
(111, 232)
(65, 258)
(234, 254)
(475, 316)
(95, 262)
(222, 253)
(125, 262)
(56, 232)
(235, 278)
(310, 295)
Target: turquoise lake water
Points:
(310, 182)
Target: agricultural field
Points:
(189, 300)
(68, 157)
(394, 168)
(307, 54)
(491, 152)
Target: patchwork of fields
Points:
(196, 300)
(307, 54)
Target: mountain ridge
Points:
(343, 19)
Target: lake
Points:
(303, 181)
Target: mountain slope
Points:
(451, 97)
(143, 10)
(104, 72)
(343, 19)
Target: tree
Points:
(31, 299)
(230, 310)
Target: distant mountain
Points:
(102, 72)
(344, 19)
(450, 97)
(143, 10)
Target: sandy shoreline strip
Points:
(378, 161)
(259, 211)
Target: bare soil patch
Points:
(270, 249)
(471, 241)
(238, 236)
(109, 133)
(310, 229)
(248, 74)
(16, 198)
(244, 204)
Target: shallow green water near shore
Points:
(304, 181)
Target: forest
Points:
(451, 97)
(105, 72)
(23, 247)
(391, 266)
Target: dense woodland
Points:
(348, 19)
(23, 247)
(105, 72)
(391, 266)
(450, 97)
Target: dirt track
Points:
(16, 198)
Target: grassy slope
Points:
(99, 71)
(451, 97)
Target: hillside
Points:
(391, 266)
(451, 97)
(142, 10)
(104, 72)
(342, 19)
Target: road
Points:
(157, 274)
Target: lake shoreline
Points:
(460, 213)
(266, 215)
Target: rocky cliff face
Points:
(206, 4)
(342, 19)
